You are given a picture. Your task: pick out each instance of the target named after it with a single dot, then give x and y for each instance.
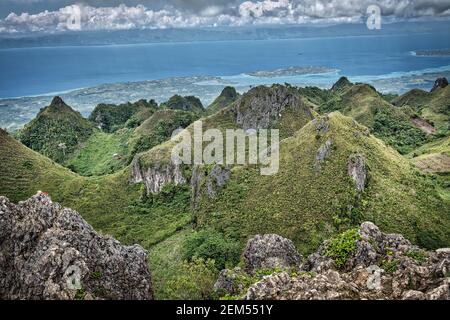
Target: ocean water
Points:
(87, 75)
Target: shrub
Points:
(194, 281)
(210, 244)
(418, 255)
(342, 246)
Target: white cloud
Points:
(246, 13)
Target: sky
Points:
(52, 16)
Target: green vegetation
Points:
(304, 201)
(110, 117)
(56, 131)
(194, 281)
(188, 103)
(159, 128)
(393, 128)
(389, 265)
(418, 255)
(210, 244)
(433, 107)
(342, 246)
(102, 153)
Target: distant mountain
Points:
(56, 131)
(226, 97)
(110, 117)
(433, 107)
(188, 103)
(396, 126)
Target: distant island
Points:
(291, 71)
(432, 53)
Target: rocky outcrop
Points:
(155, 177)
(262, 107)
(439, 83)
(378, 266)
(270, 251)
(208, 182)
(322, 125)
(356, 168)
(50, 252)
(322, 153)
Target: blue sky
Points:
(49, 16)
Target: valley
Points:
(348, 154)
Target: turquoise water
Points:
(35, 71)
(87, 75)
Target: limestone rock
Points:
(381, 266)
(270, 251)
(209, 184)
(357, 171)
(50, 252)
(323, 152)
(262, 107)
(155, 177)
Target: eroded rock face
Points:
(270, 251)
(209, 184)
(440, 83)
(356, 168)
(157, 176)
(262, 107)
(322, 153)
(50, 252)
(381, 266)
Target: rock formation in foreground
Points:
(361, 263)
(50, 252)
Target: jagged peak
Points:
(58, 101)
(229, 92)
(439, 83)
(343, 82)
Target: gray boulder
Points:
(270, 251)
(50, 252)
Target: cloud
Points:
(217, 13)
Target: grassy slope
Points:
(434, 106)
(165, 260)
(391, 124)
(307, 206)
(96, 155)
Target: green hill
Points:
(396, 126)
(310, 199)
(188, 103)
(56, 131)
(110, 117)
(275, 107)
(434, 107)
(103, 153)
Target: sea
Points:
(87, 74)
